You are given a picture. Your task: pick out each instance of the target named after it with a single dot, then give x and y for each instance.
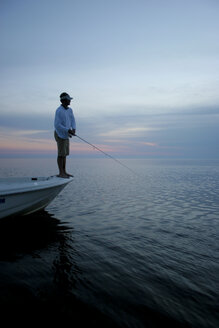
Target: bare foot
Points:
(65, 176)
(69, 175)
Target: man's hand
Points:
(71, 132)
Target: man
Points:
(65, 127)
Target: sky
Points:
(144, 75)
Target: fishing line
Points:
(113, 158)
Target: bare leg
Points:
(64, 165)
(64, 168)
(61, 165)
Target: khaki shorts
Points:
(63, 145)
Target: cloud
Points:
(125, 132)
(20, 133)
(188, 132)
(150, 144)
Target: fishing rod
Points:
(113, 158)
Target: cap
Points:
(64, 96)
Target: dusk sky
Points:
(144, 75)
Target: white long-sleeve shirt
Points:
(64, 120)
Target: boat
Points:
(22, 196)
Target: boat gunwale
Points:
(37, 187)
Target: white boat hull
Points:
(22, 196)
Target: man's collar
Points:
(65, 107)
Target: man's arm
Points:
(59, 125)
(73, 125)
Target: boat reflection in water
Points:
(38, 273)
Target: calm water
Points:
(115, 249)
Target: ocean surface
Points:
(115, 249)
